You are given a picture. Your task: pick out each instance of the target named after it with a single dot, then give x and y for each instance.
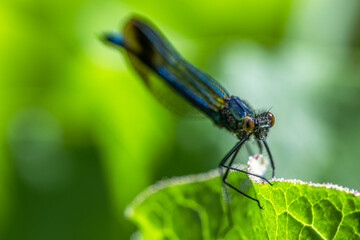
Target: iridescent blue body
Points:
(150, 54)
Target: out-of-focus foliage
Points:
(81, 136)
(192, 207)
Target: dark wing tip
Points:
(118, 39)
(137, 21)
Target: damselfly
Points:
(150, 54)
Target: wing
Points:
(151, 54)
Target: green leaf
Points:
(194, 207)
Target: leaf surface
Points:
(193, 207)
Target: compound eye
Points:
(248, 124)
(271, 119)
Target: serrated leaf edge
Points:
(327, 185)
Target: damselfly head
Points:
(248, 124)
(263, 122)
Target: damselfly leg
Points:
(228, 166)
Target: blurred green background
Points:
(81, 136)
